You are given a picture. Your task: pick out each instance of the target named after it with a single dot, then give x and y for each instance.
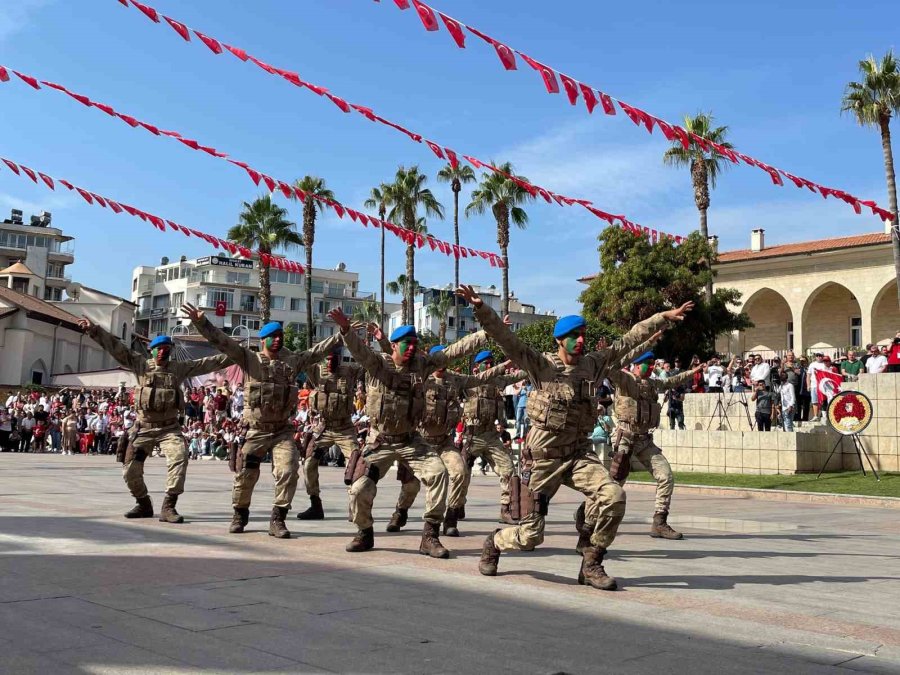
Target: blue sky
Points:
(774, 74)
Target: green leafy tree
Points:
(540, 335)
(457, 176)
(872, 101)
(263, 225)
(438, 309)
(503, 198)
(295, 338)
(639, 279)
(368, 311)
(704, 162)
(404, 197)
(400, 286)
(313, 186)
(377, 200)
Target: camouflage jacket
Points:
(157, 396)
(484, 406)
(271, 389)
(443, 410)
(334, 392)
(637, 399)
(561, 407)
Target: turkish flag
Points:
(237, 51)
(4, 74)
(571, 88)
(426, 14)
(455, 29)
(607, 103)
(27, 79)
(151, 13)
(221, 307)
(339, 102)
(435, 148)
(827, 385)
(179, 28)
(589, 99)
(682, 137)
(31, 174)
(12, 167)
(506, 55)
(213, 44)
(547, 73)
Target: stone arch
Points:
(38, 373)
(827, 315)
(771, 315)
(885, 314)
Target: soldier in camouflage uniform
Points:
(443, 392)
(270, 400)
(483, 409)
(558, 452)
(335, 386)
(159, 401)
(395, 402)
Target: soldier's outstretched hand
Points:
(192, 312)
(337, 315)
(374, 331)
(679, 314)
(468, 294)
(507, 321)
(85, 324)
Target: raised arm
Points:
(302, 360)
(374, 330)
(678, 380)
(128, 358)
(240, 355)
(528, 358)
(465, 346)
(467, 382)
(626, 384)
(209, 364)
(640, 349)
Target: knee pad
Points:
(532, 541)
(252, 462)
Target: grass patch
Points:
(844, 482)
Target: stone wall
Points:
(710, 445)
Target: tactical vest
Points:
(484, 406)
(273, 397)
(642, 412)
(565, 404)
(442, 410)
(395, 402)
(157, 396)
(333, 397)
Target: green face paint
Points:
(406, 346)
(643, 369)
(571, 344)
(159, 353)
(270, 342)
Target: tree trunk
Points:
(265, 291)
(700, 179)
(310, 333)
(892, 196)
(381, 212)
(504, 300)
(410, 284)
(442, 329)
(456, 189)
(501, 214)
(705, 232)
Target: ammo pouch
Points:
(235, 459)
(307, 445)
(357, 467)
(122, 448)
(404, 473)
(620, 466)
(523, 501)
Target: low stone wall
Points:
(709, 445)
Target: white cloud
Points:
(15, 15)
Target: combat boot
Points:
(584, 531)
(450, 522)
(490, 556)
(239, 521)
(167, 513)
(592, 572)
(314, 512)
(398, 520)
(506, 515)
(277, 527)
(363, 541)
(143, 509)
(431, 545)
(661, 529)
(461, 513)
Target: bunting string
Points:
(441, 151)
(408, 237)
(574, 89)
(117, 207)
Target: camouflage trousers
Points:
(645, 451)
(425, 464)
(458, 476)
(344, 438)
(285, 466)
(488, 446)
(581, 471)
(171, 441)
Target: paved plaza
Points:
(755, 587)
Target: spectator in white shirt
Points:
(817, 365)
(715, 374)
(788, 403)
(877, 363)
(760, 369)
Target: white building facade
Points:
(43, 249)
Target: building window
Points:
(160, 301)
(177, 299)
(277, 302)
(248, 303)
(855, 331)
(56, 270)
(790, 335)
(250, 322)
(172, 273)
(214, 295)
(134, 286)
(53, 294)
(160, 276)
(323, 307)
(20, 285)
(296, 304)
(158, 327)
(450, 320)
(318, 286)
(238, 278)
(37, 377)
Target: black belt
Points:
(395, 438)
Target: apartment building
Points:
(44, 250)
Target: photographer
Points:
(715, 375)
(763, 398)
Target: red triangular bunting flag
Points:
(114, 206)
(286, 189)
(429, 20)
(435, 148)
(589, 99)
(27, 79)
(338, 209)
(504, 53)
(214, 45)
(179, 28)
(607, 103)
(99, 199)
(4, 74)
(402, 4)
(86, 195)
(12, 167)
(546, 73)
(270, 182)
(571, 88)
(237, 51)
(339, 102)
(128, 119)
(149, 11)
(454, 162)
(31, 174)
(455, 30)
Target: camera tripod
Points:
(722, 407)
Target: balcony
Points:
(251, 308)
(152, 313)
(52, 278)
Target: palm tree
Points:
(314, 187)
(377, 200)
(438, 309)
(503, 197)
(456, 176)
(872, 101)
(705, 165)
(404, 197)
(368, 311)
(400, 286)
(263, 225)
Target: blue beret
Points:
(646, 356)
(160, 341)
(269, 329)
(483, 356)
(402, 332)
(436, 349)
(567, 324)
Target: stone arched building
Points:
(824, 295)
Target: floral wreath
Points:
(850, 412)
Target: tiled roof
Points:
(802, 247)
(17, 268)
(33, 305)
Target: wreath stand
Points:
(852, 433)
(860, 452)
